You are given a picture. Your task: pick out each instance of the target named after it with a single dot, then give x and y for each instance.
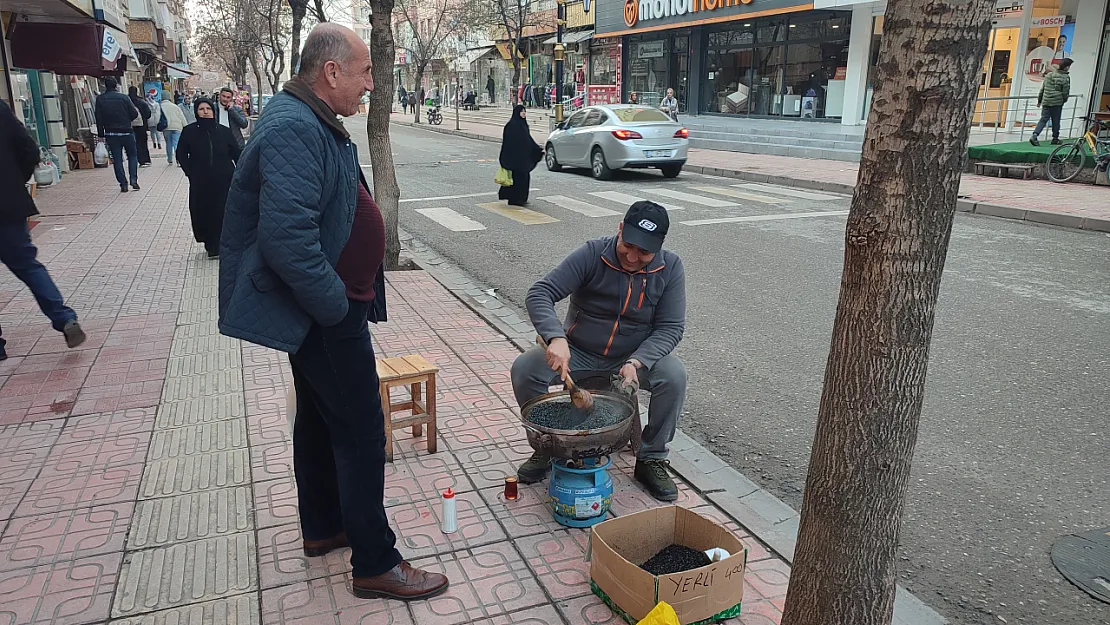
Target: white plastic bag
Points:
(100, 154)
(717, 554)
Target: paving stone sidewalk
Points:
(146, 477)
(1071, 205)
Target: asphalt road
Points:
(1013, 444)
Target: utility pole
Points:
(560, 54)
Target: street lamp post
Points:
(560, 54)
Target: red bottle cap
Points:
(448, 494)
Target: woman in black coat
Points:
(519, 154)
(142, 140)
(207, 153)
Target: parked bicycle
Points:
(1069, 159)
(434, 116)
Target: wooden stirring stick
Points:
(581, 398)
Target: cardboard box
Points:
(73, 145)
(85, 160)
(618, 546)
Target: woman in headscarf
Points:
(207, 153)
(519, 154)
(139, 126)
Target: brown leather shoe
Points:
(317, 548)
(401, 582)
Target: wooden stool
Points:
(411, 371)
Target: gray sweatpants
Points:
(666, 381)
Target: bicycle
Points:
(1069, 159)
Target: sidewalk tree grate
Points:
(1084, 559)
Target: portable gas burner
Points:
(580, 488)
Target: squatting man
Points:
(627, 313)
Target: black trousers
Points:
(142, 145)
(339, 442)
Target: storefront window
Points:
(648, 75)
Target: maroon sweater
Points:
(360, 259)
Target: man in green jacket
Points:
(1054, 93)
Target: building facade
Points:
(816, 60)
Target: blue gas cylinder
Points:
(580, 497)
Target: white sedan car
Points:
(617, 136)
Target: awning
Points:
(173, 70)
(503, 48)
(89, 50)
(577, 36)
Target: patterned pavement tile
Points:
(273, 461)
(160, 522)
(460, 421)
(93, 427)
(485, 582)
(528, 515)
(184, 573)
(457, 376)
(418, 530)
(759, 613)
(768, 578)
(199, 439)
(588, 610)
(268, 429)
(66, 593)
(203, 410)
(420, 477)
(24, 436)
(67, 535)
(629, 496)
(200, 364)
(138, 371)
(543, 615)
(11, 493)
(84, 488)
(281, 558)
(559, 561)
(756, 550)
(181, 388)
(275, 502)
(328, 601)
(266, 401)
(118, 397)
(22, 465)
(188, 474)
(46, 363)
(237, 610)
(470, 399)
(112, 450)
(484, 436)
(489, 466)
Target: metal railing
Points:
(1012, 118)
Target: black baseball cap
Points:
(645, 226)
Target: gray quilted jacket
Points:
(288, 217)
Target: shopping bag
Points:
(504, 177)
(661, 614)
(100, 154)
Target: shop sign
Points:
(1049, 22)
(636, 11)
(603, 94)
(650, 50)
(623, 16)
(1008, 8)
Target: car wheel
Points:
(671, 171)
(549, 158)
(598, 167)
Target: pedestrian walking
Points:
(230, 115)
(412, 102)
(1053, 94)
(421, 97)
(139, 126)
(187, 109)
(401, 95)
(669, 105)
(174, 123)
(114, 113)
(301, 271)
(603, 333)
(19, 155)
(519, 154)
(207, 152)
(155, 119)
(490, 88)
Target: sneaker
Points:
(1034, 141)
(534, 469)
(135, 186)
(74, 334)
(654, 476)
(123, 188)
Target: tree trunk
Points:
(386, 191)
(930, 65)
(514, 89)
(299, 10)
(419, 82)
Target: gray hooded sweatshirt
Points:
(613, 313)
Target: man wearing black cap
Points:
(627, 313)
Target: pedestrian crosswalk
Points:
(700, 205)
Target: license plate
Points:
(657, 153)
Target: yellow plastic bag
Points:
(504, 177)
(661, 614)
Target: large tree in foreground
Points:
(387, 193)
(930, 65)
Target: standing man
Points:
(490, 88)
(114, 113)
(401, 95)
(19, 155)
(175, 123)
(1054, 93)
(627, 313)
(231, 116)
(301, 271)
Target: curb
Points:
(765, 516)
(990, 209)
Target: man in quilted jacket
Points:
(1053, 94)
(300, 271)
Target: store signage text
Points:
(1049, 22)
(636, 11)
